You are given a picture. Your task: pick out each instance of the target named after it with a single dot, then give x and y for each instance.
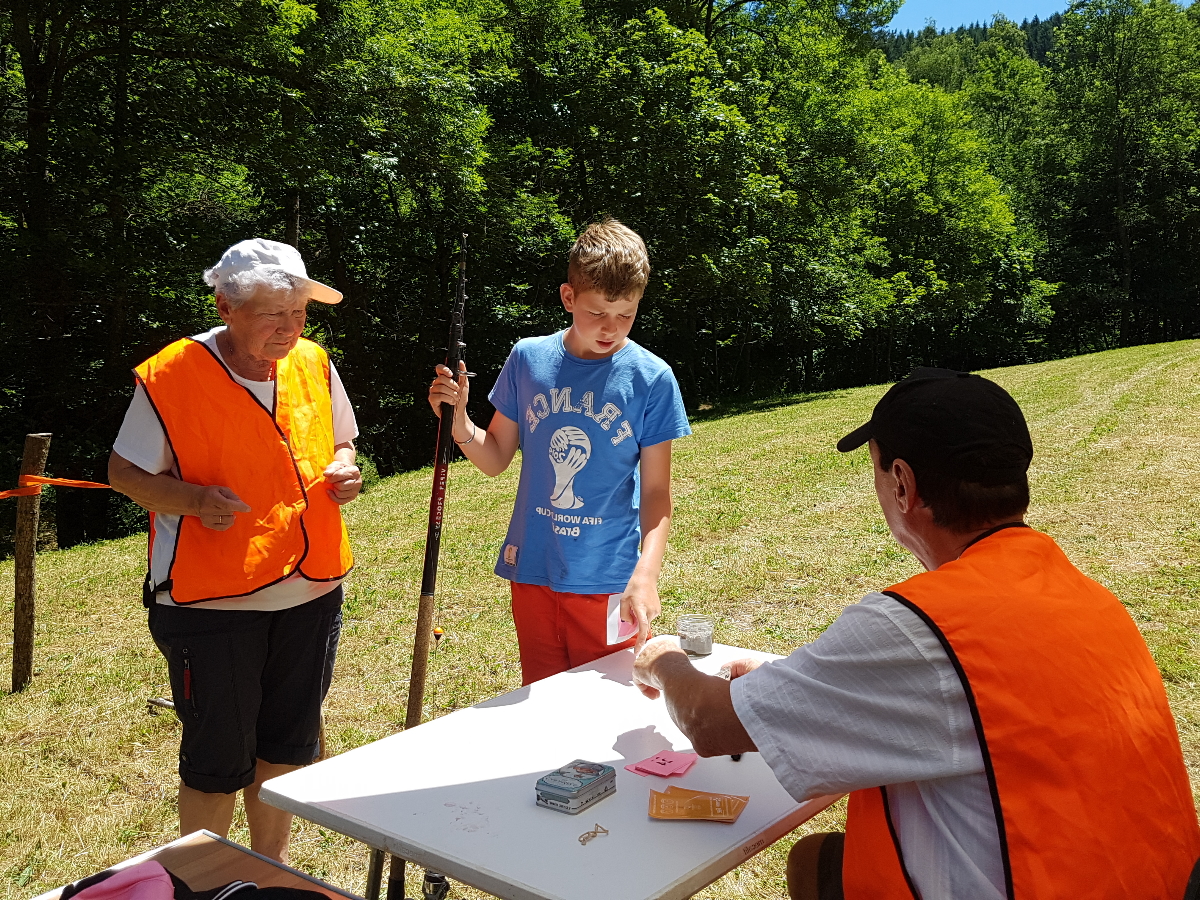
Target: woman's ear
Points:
(224, 310)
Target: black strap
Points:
(988, 769)
(243, 890)
(887, 815)
(1193, 886)
(150, 590)
(84, 883)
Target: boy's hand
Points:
(640, 605)
(445, 390)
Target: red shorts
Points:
(557, 631)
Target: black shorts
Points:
(247, 685)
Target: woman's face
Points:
(267, 326)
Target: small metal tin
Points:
(576, 786)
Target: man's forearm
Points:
(702, 706)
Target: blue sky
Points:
(952, 13)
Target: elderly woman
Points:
(239, 442)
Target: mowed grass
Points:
(775, 532)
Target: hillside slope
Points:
(774, 533)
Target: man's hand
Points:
(701, 705)
(640, 606)
(738, 668)
(343, 481)
(217, 505)
(644, 677)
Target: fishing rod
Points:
(435, 886)
(437, 504)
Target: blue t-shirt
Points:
(582, 424)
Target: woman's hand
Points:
(217, 505)
(343, 481)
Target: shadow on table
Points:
(641, 743)
(616, 667)
(512, 698)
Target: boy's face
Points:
(599, 327)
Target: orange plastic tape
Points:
(60, 482)
(32, 484)
(21, 492)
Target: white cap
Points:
(259, 253)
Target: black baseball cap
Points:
(961, 424)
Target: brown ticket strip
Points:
(681, 803)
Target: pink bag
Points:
(145, 881)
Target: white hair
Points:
(238, 287)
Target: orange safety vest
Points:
(221, 435)
(1080, 750)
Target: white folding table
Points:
(456, 795)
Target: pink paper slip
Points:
(663, 764)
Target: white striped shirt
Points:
(876, 701)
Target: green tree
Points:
(1120, 181)
(947, 61)
(959, 277)
(149, 137)
(806, 202)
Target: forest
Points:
(827, 203)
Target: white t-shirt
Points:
(143, 442)
(876, 701)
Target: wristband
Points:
(468, 440)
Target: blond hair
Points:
(610, 258)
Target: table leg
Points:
(395, 890)
(374, 874)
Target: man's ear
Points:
(567, 293)
(907, 497)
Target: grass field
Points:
(775, 532)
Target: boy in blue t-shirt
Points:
(594, 415)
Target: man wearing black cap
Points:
(997, 720)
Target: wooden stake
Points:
(33, 462)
